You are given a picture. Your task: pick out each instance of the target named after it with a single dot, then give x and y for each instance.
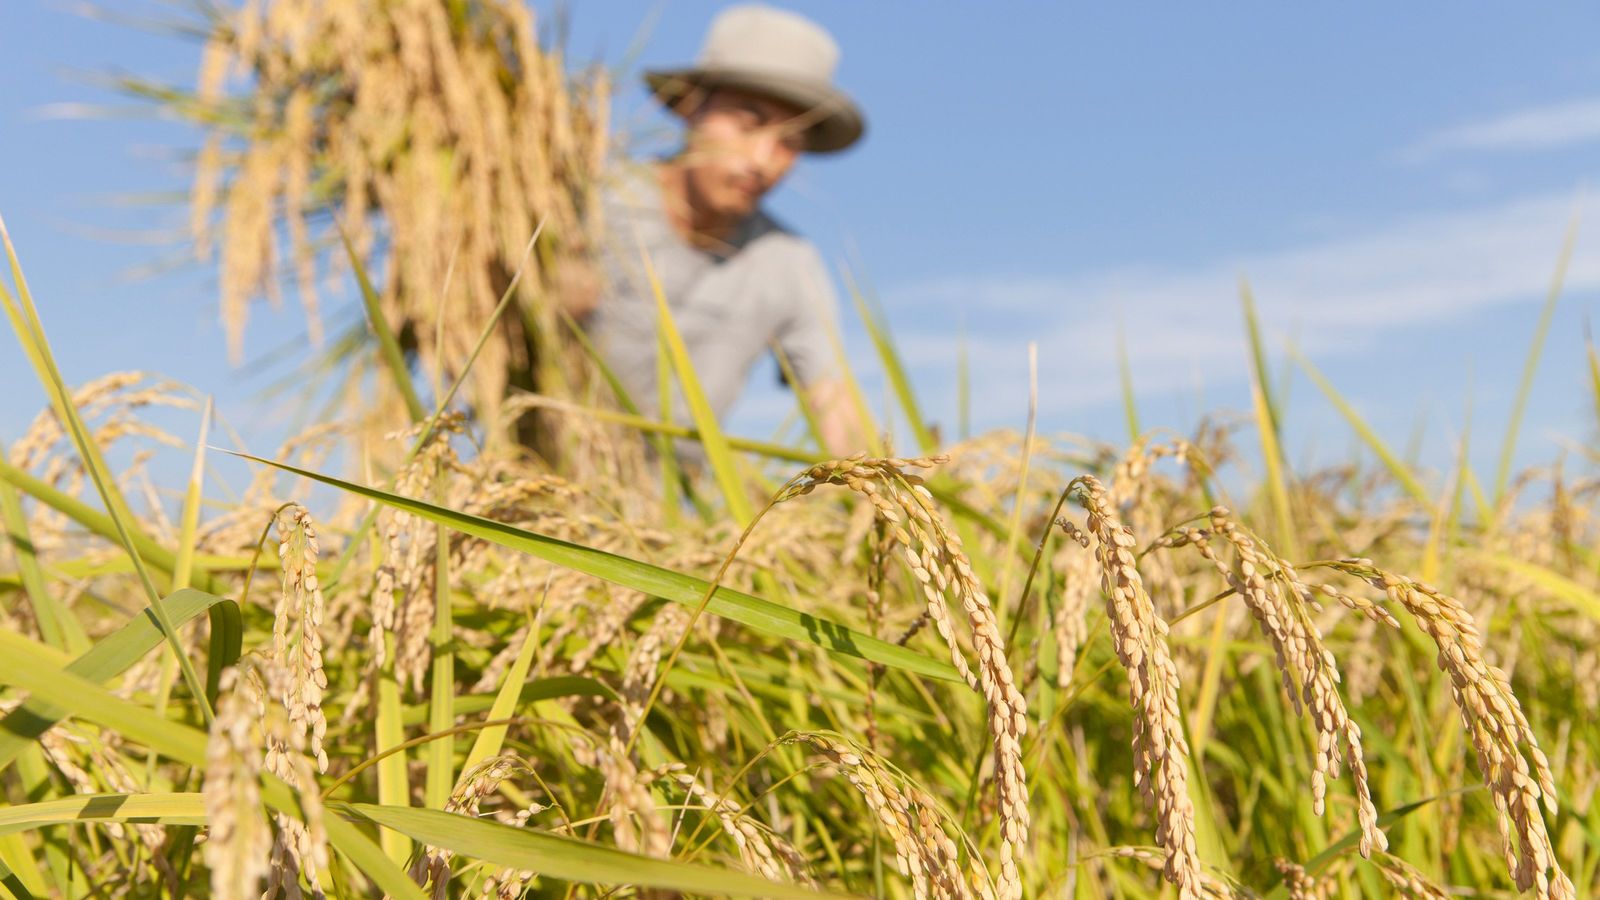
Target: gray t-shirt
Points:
(771, 287)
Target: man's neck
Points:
(697, 226)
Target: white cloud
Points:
(1184, 326)
(1538, 128)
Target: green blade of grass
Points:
(718, 456)
(1530, 366)
(57, 625)
(24, 316)
(762, 615)
(1258, 354)
(1344, 845)
(490, 739)
(388, 345)
(530, 692)
(189, 517)
(1581, 599)
(109, 657)
(1442, 522)
(1267, 427)
(394, 780)
(29, 665)
(565, 858)
(813, 425)
(858, 397)
(1130, 408)
(441, 776)
(671, 476)
(1401, 472)
(20, 875)
(30, 333)
(1593, 359)
(158, 809)
(98, 522)
(893, 367)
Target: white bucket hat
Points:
(777, 54)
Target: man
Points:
(738, 283)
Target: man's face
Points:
(739, 146)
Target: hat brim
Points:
(839, 123)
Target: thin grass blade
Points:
(441, 775)
(57, 625)
(718, 456)
(1267, 424)
(1130, 406)
(1530, 367)
(394, 358)
(878, 329)
(1397, 467)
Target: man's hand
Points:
(577, 287)
(843, 432)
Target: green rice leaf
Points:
(441, 753)
(807, 411)
(878, 329)
(762, 615)
(157, 809)
(114, 654)
(189, 517)
(1130, 406)
(565, 858)
(1581, 599)
(489, 740)
(99, 523)
(1530, 367)
(30, 666)
(59, 627)
(394, 358)
(723, 464)
(1401, 472)
(1267, 419)
(530, 692)
(394, 778)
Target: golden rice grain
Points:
(1494, 723)
(300, 603)
(1161, 754)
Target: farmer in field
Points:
(739, 283)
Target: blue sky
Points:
(1395, 183)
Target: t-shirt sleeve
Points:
(805, 335)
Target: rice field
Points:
(412, 658)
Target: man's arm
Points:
(577, 286)
(808, 340)
(837, 417)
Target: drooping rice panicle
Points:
(1161, 754)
